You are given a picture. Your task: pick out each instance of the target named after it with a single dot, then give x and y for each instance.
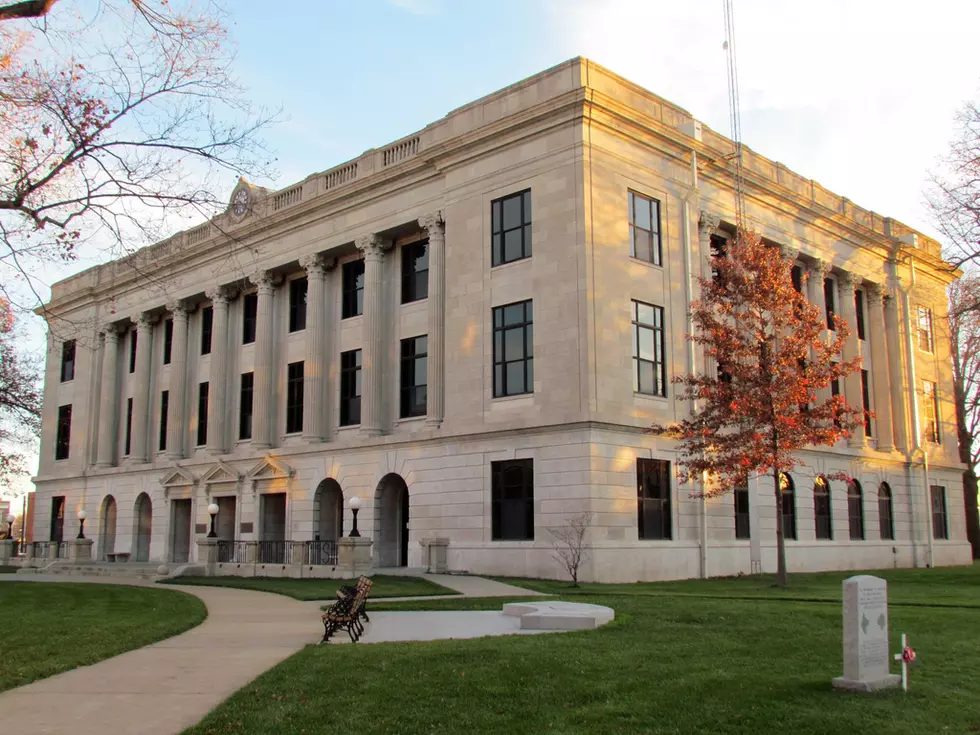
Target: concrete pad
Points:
(387, 627)
(556, 615)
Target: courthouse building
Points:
(470, 329)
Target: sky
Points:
(859, 95)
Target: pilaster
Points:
(106, 449)
(141, 397)
(879, 368)
(176, 423)
(898, 382)
(434, 225)
(265, 282)
(852, 382)
(314, 367)
(218, 377)
(373, 248)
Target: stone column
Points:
(372, 334)
(435, 408)
(106, 451)
(896, 373)
(176, 429)
(852, 383)
(314, 367)
(818, 270)
(262, 412)
(218, 378)
(879, 368)
(141, 398)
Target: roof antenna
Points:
(733, 111)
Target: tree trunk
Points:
(781, 577)
(970, 501)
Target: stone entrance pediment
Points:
(270, 468)
(220, 472)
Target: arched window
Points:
(885, 521)
(821, 509)
(855, 510)
(788, 503)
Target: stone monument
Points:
(866, 658)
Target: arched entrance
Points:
(144, 526)
(391, 521)
(107, 528)
(328, 511)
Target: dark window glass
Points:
(207, 322)
(245, 406)
(415, 271)
(250, 310)
(821, 509)
(796, 273)
(129, 425)
(164, 411)
(294, 397)
(350, 388)
(67, 360)
(644, 214)
(788, 498)
(168, 340)
(742, 526)
(132, 350)
(835, 391)
(855, 510)
(513, 349)
(885, 522)
(653, 498)
(859, 312)
(353, 287)
(414, 376)
(297, 304)
(202, 414)
(510, 226)
(62, 446)
(829, 292)
(512, 501)
(940, 528)
(649, 367)
(866, 402)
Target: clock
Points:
(239, 202)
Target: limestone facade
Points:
(222, 301)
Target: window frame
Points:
(924, 314)
(409, 405)
(164, 420)
(939, 512)
(855, 511)
(660, 376)
(830, 300)
(655, 470)
(351, 366)
(886, 533)
(69, 351)
(294, 397)
(787, 496)
(743, 520)
(415, 280)
(203, 397)
(866, 401)
(500, 505)
(132, 350)
(62, 443)
(500, 358)
(250, 317)
(298, 289)
(128, 441)
(655, 237)
(823, 510)
(207, 329)
(859, 325)
(352, 289)
(498, 233)
(930, 406)
(246, 407)
(168, 340)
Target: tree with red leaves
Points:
(20, 400)
(774, 354)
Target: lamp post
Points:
(10, 527)
(355, 505)
(82, 515)
(213, 512)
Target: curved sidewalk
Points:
(168, 686)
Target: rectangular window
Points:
(510, 225)
(414, 376)
(297, 304)
(207, 322)
(245, 406)
(796, 274)
(829, 292)
(350, 388)
(294, 398)
(940, 527)
(415, 271)
(62, 446)
(164, 411)
(202, 414)
(719, 250)
(250, 310)
(644, 215)
(823, 520)
(788, 500)
(653, 498)
(866, 402)
(67, 360)
(132, 350)
(168, 340)
(859, 312)
(649, 368)
(512, 500)
(924, 328)
(930, 412)
(129, 426)
(353, 287)
(742, 526)
(513, 349)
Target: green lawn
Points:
(53, 627)
(321, 589)
(738, 658)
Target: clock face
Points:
(240, 202)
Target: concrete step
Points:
(129, 570)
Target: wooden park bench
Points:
(345, 614)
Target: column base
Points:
(371, 432)
(261, 445)
(855, 443)
(104, 465)
(886, 448)
(313, 438)
(433, 423)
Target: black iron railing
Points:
(272, 552)
(232, 552)
(320, 553)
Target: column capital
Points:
(265, 280)
(219, 294)
(433, 221)
(111, 328)
(146, 320)
(875, 292)
(708, 222)
(847, 280)
(317, 264)
(180, 309)
(818, 267)
(788, 252)
(372, 246)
